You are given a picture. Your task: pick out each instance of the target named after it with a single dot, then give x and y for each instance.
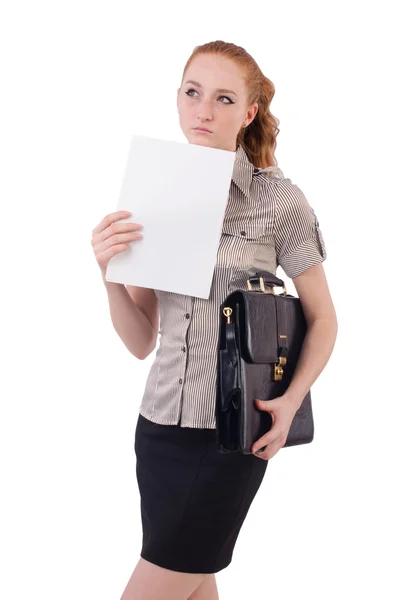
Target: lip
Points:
(202, 129)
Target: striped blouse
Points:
(268, 222)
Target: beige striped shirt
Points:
(268, 222)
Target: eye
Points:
(227, 97)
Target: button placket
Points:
(183, 348)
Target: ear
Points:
(252, 112)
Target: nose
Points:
(204, 111)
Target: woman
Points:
(194, 499)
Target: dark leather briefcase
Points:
(260, 338)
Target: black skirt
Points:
(194, 499)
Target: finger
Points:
(260, 455)
(109, 219)
(113, 235)
(104, 257)
(266, 439)
(267, 405)
(272, 449)
(115, 239)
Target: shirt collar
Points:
(242, 171)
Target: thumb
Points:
(263, 404)
(267, 405)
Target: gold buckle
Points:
(262, 285)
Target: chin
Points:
(199, 140)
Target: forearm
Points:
(316, 349)
(130, 323)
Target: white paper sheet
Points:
(178, 192)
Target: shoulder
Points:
(274, 176)
(285, 192)
(289, 196)
(269, 174)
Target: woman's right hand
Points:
(110, 238)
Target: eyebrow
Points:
(223, 90)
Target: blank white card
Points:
(178, 192)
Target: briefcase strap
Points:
(231, 343)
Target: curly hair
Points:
(259, 138)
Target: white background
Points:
(78, 78)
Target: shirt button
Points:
(243, 233)
(187, 315)
(183, 348)
(180, 381)
(256, 170)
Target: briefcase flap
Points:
(262, 319)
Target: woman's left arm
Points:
(322, 327)
(300, 250)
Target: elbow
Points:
(148, 351)
(142, 355)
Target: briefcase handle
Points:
(268, 279)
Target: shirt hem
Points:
(167, 422)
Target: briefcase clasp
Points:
(278, 369)
(227, 311)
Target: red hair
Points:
(259, 138)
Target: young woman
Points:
(194, 499)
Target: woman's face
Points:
(201, 104)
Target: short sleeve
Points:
(298, 239)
